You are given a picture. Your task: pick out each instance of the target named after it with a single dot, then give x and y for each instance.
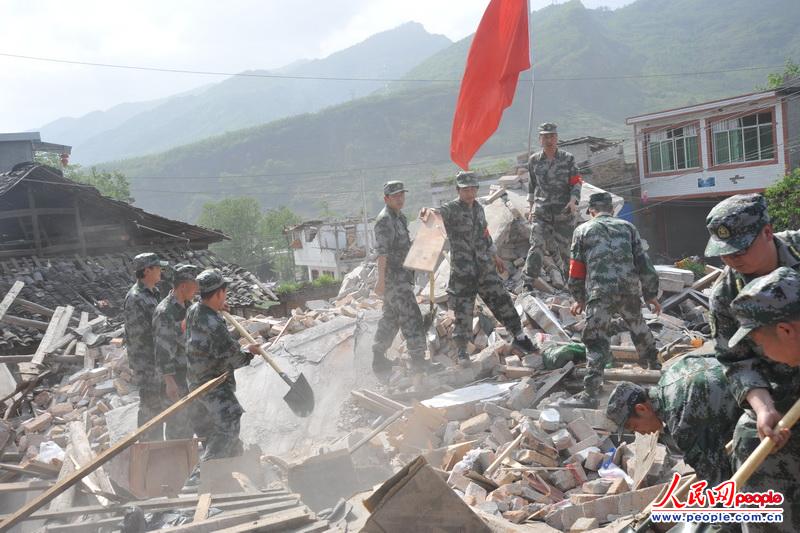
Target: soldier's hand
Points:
(171, 388)
(499, 264)
(571, 207)
(254, 348)
(577, 308)
(226, 307)
(423, 214)
(654, 305)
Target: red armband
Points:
(574, 180)
(577, 269)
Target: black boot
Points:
(524, 345)
(381, 365)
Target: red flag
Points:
(499, 52)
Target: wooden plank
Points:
(428, 244)
(553, 379)
(201, 511)
(22, 486)
(24, 322)
(15, 359)
(83, 455)
(58, 325)
(10, 296)
(47, 496)
(66, 499)
(281, 521)
(159, 504)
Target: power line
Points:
(368, 79)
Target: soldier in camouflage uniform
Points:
(608, 265)
(211, 351)
(693, 406)
(474, 265)
(768, 310)
(395, 283)
(140, 303)
(170, 348)
(554, 190)
(742, 236)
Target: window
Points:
(673, 149)
(743, 139)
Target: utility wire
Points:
(370, 79)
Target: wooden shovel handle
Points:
(246, 334)
(760, 454)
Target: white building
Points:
(691, 157)
(333, 248)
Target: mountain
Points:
(242, 101)
(593, 69)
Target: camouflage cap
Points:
(149, 259)
(621, 402)
(600, 200)
(734, 223)
(211, 280)
(393, 187)
(767, 300)
(185, 272)
(547, 127)
(466, 179)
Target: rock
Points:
(549, 419)
(37, 424)
(60, 409)
(562, 440)
(584, 524)
(476, 424)
(522, 395)
(474, 494)
(597, 486)
(500, 431)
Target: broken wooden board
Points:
(47, 496)
(428, 244)
(418, 499)
(160, 468)
(55, 330)
(9, 298)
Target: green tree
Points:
(776, 79)
(113, 184)
(271, 229)
(783, 199)
(238, 218)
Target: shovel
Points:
(300, 397)
(744, 472)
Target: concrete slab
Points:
(315, 343)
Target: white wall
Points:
(683, 183)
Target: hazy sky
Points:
(207, 35)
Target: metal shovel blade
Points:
(300, 397)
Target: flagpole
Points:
(530, 108)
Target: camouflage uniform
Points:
(400, 309)
(472, 269)
(552, 183)
(170, 349)
(699, 413)
(607, 267)
(140, 303)
(211, 351)
(734, 223)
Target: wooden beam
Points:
(37, 239)
(203, 504)
(58, 324)
(22, 486)
(48, 495)
(25, 322)
(10, 296)
(83, 455)
(42, 211)
(66, 499)
(79, 227)
(230, 502)
(282, 521)
(11, 359)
